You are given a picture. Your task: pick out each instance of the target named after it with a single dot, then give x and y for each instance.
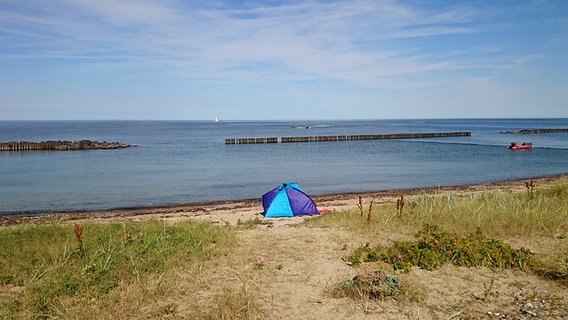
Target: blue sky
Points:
(282, 60)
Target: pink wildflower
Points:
(259, 264)
(399, 256)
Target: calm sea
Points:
(178, 162)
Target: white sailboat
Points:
(216, 119)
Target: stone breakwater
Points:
(537, 131)
(60, 145)
(347, 138)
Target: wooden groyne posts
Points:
(348, 137)
(60, 145)
(251, 140)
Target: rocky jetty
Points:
(536, 131)
(60, 145)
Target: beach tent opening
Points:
(287, 200)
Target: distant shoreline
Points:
(209, 207)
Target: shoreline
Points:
(233, 211)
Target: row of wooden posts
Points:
(31, 146)
(59, 145)
(347, 137)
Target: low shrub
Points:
(376, 285)
(436, 246)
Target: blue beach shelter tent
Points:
(287, 200)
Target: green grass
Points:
(46, 260)
(499, 213)
(543, 212)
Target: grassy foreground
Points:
(105, 269)
(141, 269)
(532, 217)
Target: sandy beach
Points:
(230, 212)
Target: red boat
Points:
(523, 146)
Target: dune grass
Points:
(117, 259)
(498, 213)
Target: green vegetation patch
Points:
(253, 223)
(541, 211)
(376, 285)
(62, 262)
(436, 247)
